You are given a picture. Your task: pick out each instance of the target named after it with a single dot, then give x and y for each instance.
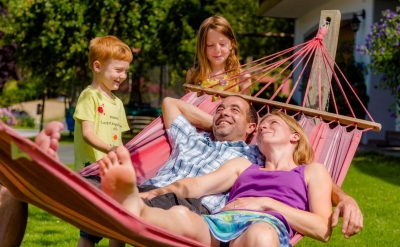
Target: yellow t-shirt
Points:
(109, 118)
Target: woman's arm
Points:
(316, 223)
(215, 182)
(319, 184)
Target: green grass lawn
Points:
(66, 138)
(373, 180)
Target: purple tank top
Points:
(288, 187)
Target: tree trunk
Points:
(42, 110)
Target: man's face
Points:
(230, 120)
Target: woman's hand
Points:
(252, 203)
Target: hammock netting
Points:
(35, 178)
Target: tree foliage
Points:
(8, 66)
(52, 37)
(257, 36)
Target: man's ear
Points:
(251, 132)
(96, 66)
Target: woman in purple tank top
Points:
(294, 192)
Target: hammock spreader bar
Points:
(362, 124)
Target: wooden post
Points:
(330, 41)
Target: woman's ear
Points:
(295, 137)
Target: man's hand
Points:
(352, 217)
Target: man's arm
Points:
(172, 108)
(347, 207)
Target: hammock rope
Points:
(273, 69)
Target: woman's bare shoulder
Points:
(316, 171)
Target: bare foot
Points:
(118, 179)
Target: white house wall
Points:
(379, 99)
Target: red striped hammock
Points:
(27, 171)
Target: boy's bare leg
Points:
(85, 242)
(118, 180)
(13, 219)
(115, 243)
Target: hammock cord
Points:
(275, 73)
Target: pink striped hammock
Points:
(26, 171)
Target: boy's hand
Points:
(113, 148)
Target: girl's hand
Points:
(252, 203)
(147, 195)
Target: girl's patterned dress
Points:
(222, 84)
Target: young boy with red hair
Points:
(99, 115)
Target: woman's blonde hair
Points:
(303, 152)
(106, 47)
(202, 68)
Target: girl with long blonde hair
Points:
(217, 59)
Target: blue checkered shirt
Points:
(194, 154)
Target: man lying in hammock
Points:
(231, 126)
(294, 190)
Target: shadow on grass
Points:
(45, 229)
(376, 164)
